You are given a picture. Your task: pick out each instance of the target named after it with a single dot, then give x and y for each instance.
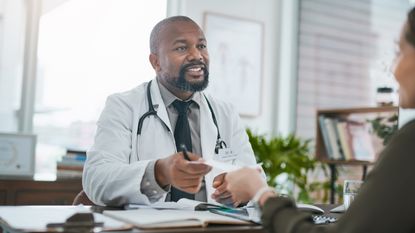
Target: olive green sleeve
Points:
(385, 204)
(279, 214)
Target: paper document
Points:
(35, 218)
(226, 167)
(182, 204)
(338, 209)
(152, 218)
(310, 208)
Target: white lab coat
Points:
(117, 161)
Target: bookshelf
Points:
(327, 155)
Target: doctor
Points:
(138, 157)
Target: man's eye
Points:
(181, 49)
(202, 46)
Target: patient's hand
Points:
(244, 183)
(221, 194)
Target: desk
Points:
(210, 229)
(61, 191)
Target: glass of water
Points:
(350, 191)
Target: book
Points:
(69, 168)
(81, 153)
(188, 204)
(182, 204)
(362, 145)
(73, 157)
(68, 174)
(73, 163)
(333, 139)
(324, 133)
(170, 218)
(345, 139)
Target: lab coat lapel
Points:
(158, 101)
(208, 135)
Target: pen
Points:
(184, 150)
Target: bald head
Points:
(156, 32)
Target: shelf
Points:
(347, 162)
(341, 111)
(344, 115)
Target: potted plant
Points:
(385, 127)
(286, 156)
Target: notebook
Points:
(169, 218)
(182, 204)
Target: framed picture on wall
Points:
(236, 55)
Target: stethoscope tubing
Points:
(152, 112)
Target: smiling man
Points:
(151, 141)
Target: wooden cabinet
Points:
(31, 192)
(362, 114)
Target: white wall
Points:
(266, 11)
(12, 34)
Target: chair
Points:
(82, 198)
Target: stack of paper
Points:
(35, 218)
(153, 218)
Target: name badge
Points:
(225, 155)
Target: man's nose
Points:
(195, 55)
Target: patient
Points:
(386, 202)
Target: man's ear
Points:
(154, 62)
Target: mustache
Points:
(181, 82)
(194, 63)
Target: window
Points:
(88, 50)
(12, 31)
(345, 50)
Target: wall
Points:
(12, 32)
(266, 11)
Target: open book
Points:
(168, 218)
(187, 204)
(182, 204)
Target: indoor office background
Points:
(60, 59)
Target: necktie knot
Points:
(181, 106)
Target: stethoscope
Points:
(220, 144)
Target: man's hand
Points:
(221, 194)
(182, 174)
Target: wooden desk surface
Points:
(212, 228)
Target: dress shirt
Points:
(149, 185)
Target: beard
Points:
(181, 82)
